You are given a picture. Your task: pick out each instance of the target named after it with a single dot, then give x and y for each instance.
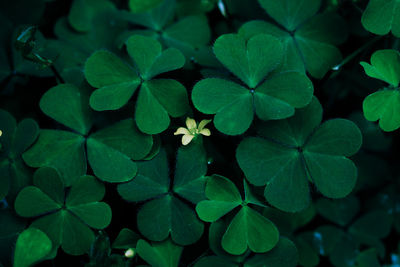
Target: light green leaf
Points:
(385, 66)
(32, 246)
(382, 17)
(383, 106)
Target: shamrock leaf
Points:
(163, 254)
(284, 254)
(339, 211)
(117, 82)
(371, 227)
(82, 12)
(10, 227)
(298, 150)
(138, 6)
(308, 38)
(270, 96)
(191, 34)
(109, 151)
(382, 17)
(248, 229)
(65, 216)
(32, 246)
(384, 104)
(71, 48)
(15, 139)
(126, 239)
(165, 213)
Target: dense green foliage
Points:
(199, 133)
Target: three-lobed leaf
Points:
(293, 153)
(271, 96)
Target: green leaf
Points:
(67, 223)
(31, 202)
(231, 103)
(191, 168)
(339, 211)
(82, 201)
(372, 225)
(126, 239)
(381, 18)
(292, 153)
(82, 13)
(192, 31)
(214, 261)
(280, 94)
(234, 105)
(164, 254)
(49, 182)
(116, 81)
(96, 215)
(149, 58)
(385, 66)
(32, 246)
(138, 6)
(68, 105)
(61, 150)
(15, 139)
(250, 61)
(309, 41)
(250, 229)
(151, 181)
(157, 99)
(178, 219)
(284, 254)
(25, 134)
(383, 106)
(76, 236)
(368, 258)
(223, 197)
(117, 144)
(290, 13)
(85, 190)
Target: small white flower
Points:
(192, 130)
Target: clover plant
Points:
(199, 133)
